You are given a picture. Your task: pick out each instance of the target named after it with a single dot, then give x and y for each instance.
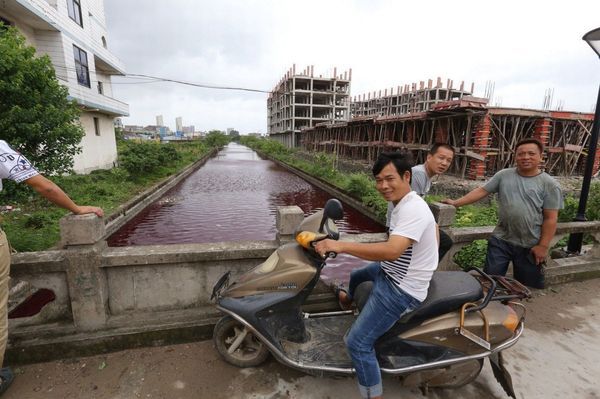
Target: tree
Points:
(234, 135)
(216, 138)
(35, 115)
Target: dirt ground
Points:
(557, 357)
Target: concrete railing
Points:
(111, 298)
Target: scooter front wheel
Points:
(237, 345)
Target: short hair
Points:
(402, 161)
(437, 146)
(531, 140)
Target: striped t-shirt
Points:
(412, 271)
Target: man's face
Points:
(528, 157)
(391, 185)
(439, 162)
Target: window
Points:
(81, 66)
(97, 126)
(100, 88)
(74, 7)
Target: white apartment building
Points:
(73, 34)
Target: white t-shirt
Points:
(13, 165)
(412, 271)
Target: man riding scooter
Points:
(401, 270)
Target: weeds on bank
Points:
(35, 227)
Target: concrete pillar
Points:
(444, 214)
(81, 236)
(287, 221)
(541, 131)
(481, 138)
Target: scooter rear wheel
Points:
(237, 345)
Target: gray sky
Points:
(524, 46)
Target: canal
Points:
(234, 197)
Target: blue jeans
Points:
(525, 270)
(357, 276)
(387, 303)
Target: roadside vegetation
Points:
(362, 187)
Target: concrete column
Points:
(481, 137)
(444, 214)
(81, 236)
(541, 131)
(287, 221)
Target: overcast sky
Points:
(525, 47)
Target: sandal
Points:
(6, 377)
(338, 288)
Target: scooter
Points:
(467, 317)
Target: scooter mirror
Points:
(333, 210)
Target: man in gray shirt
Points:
(438, 161)
(528, 205)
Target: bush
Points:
(472, 254)
(140, 158)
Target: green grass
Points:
(35, 226)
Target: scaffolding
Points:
(484, 137)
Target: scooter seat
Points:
(448, 291)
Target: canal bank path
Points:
(557, 357)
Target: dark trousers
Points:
(525, 270)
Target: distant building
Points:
(301, 100)
(159, 120)
(73, 34)
(188, 129)
(179, 124)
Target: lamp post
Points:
(593, 39)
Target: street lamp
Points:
(593, 39)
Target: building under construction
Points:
(301, 100)
(484, 137)
(407, 99)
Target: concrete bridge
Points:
(114, 298)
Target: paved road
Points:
(556, 358)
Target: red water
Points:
(234, 197)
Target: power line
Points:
(156, 79)
(205, 86)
